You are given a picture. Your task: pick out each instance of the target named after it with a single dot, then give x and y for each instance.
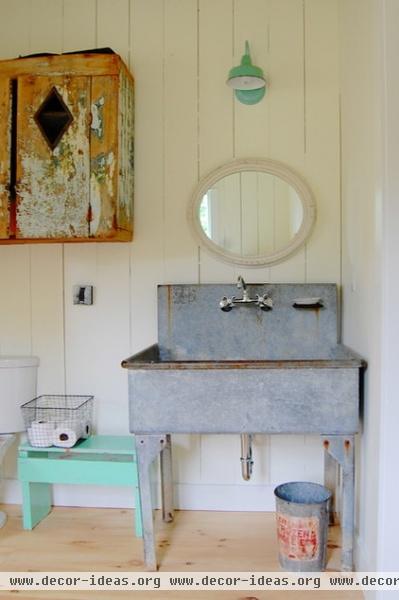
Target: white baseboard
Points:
(187, 496)
(224, 497)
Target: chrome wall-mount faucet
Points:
(264, 302)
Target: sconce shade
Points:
(250, 96)
(246, 76)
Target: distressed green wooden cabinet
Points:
(66, 149)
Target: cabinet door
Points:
(53, 157)
(5, 141)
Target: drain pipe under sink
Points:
(246, 456)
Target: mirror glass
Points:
(251, 213)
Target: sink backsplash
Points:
(191, 325)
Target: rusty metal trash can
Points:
(302, 525)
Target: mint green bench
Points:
(100, 459)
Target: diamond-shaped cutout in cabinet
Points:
(66, 149)
(53, 118)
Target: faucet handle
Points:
(226, 304)
(264, 302)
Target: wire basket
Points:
(44, 415)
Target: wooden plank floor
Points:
(96, 539)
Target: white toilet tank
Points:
(18, 380)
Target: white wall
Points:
(389, 488)
(186, 124)
(370, 185)
(362, 239)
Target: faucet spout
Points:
(243, 286)
(241, 283)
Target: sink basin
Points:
(246, 371)
(244, 396)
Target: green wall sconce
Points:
(247, 80)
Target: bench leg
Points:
(147, 449)
(36, 503)
(167, 481)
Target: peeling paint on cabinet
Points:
(97, 126)
(5, 130)
(103, 155)
(126, 145)
(52, 191)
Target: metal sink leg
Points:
(341, 448)
(147, 449)
(167, 481)
(330, 481)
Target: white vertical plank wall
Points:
(79, 33)
(187, 123)
(215, 111)
(147, 251)
(321, 165)
(180, 127)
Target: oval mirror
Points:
(252, 212)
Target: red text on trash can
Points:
(298, 536)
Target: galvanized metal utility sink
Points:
(272, 365)
(245, 370)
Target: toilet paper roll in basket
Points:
(66, 436)
(41, 434)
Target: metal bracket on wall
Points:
(83, 294)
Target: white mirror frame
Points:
(271, 167)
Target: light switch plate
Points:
(83, 294)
